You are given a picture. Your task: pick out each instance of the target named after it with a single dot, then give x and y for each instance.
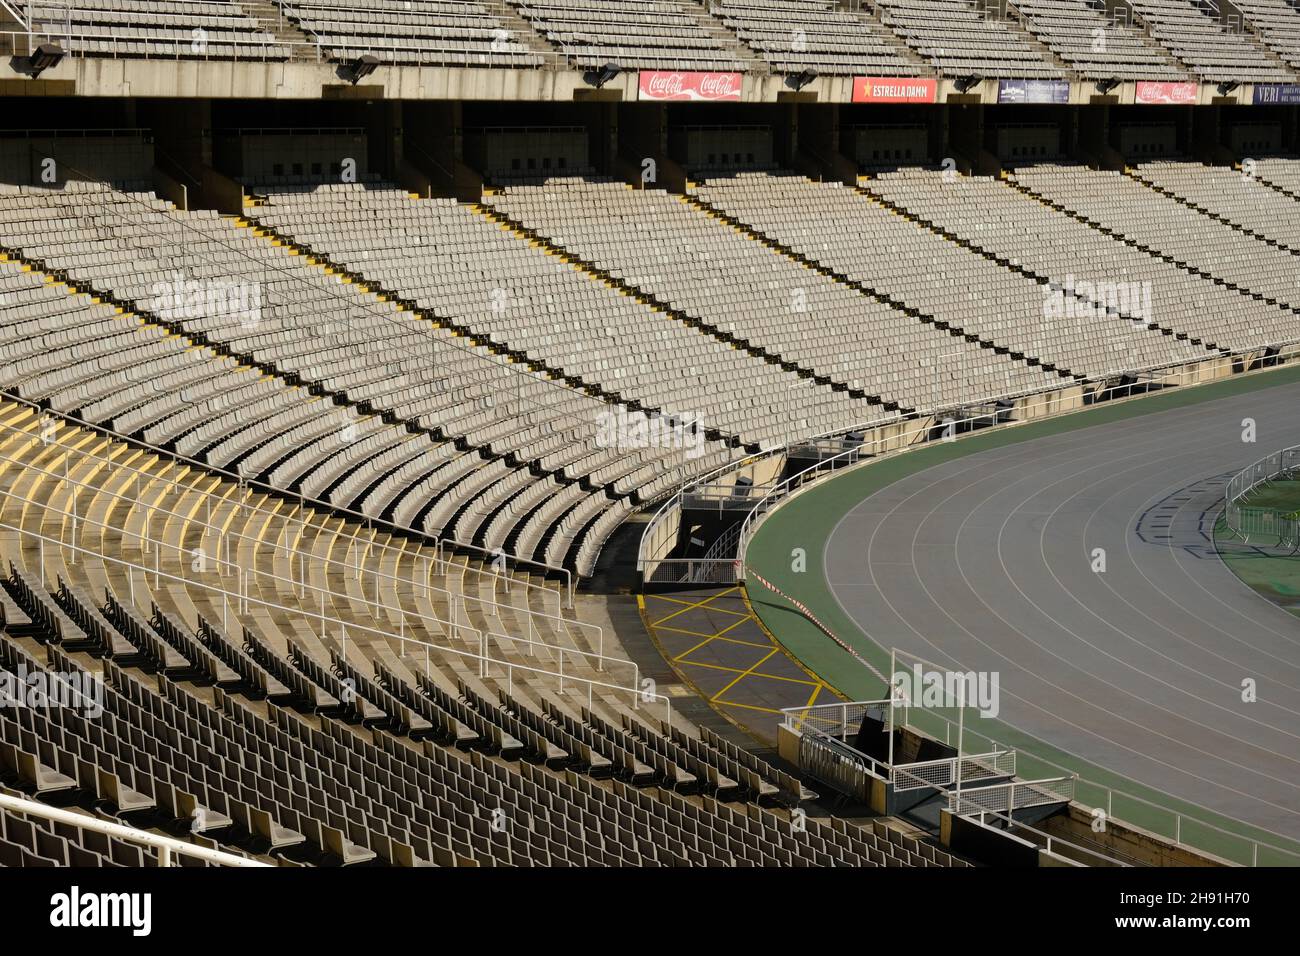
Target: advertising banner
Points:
(1033, 91)
(704, 87)
(893, 89)
(1172, 94)
(1275, 94)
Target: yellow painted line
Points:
(715, 637)
(798, 663)
(745, 674)
(691, 607)
(732, 703)
(689, 604)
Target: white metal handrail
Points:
(673, 501)
(17, 14)
(166, 846)
(1050, 839)
(1012, 796)
(910, 438)
(291, 554)
(324, 509)
(243, 575)
(344, 627)
(944, 771)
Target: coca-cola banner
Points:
(1173, 94)
(893, 89)
(706, 87)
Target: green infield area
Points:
(1271, 571)
(807, 521)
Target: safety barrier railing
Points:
(1012, 796)
(1051, 843)
(188, 557)
(833, 762)
(167, 847)
(923, 432)
(841, 719)
(358, 549)
(1247, 521)
(916, 429)
(319, 507)
(943, 773)
(705, 572)
(327, 624)
(12, 8)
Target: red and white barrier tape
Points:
(803, 609)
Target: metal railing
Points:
(915, 430)
(327, 624)
(358, 549)
(1051, 842)
(1246, 520)
(705, 572)
(1012, 796)
(12, 9)
(840, 719)
(833, 762)
(247, 577)
(326, 508)
(944, 772)
(921, 432)
(167, 847)
(239, 504)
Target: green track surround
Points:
(807, 520)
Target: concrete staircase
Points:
(896, 44)
(729, 42)
(272, 18)
(520, 30)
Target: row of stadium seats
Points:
(435, 32)
(792, 35)
(956, 38)
(1197, 39)
(1094, 44)
(688, 260)
(1136, 212)
(1167, 40)
(448, 258)
(476, 372)
(254, 745)
(1002, 221)
(479, 421)
(297, 681)
(922, 267)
